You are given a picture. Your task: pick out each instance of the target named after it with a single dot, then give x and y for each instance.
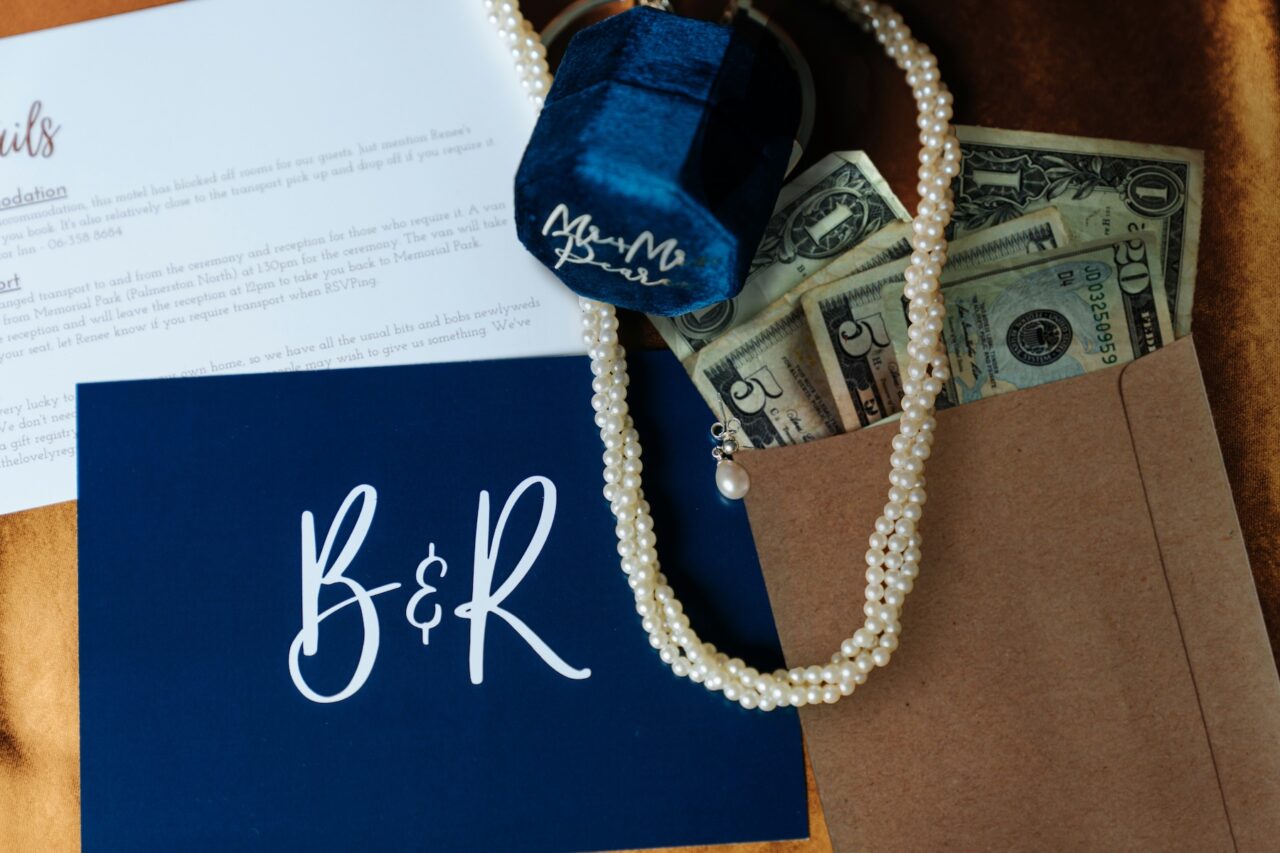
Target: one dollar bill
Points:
(829, 208)
(884, 247)
(850, 332)
(1102, 187)
(1054, 316)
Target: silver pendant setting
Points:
(732, 479)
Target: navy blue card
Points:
(381, 609)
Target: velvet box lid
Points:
(658, 158)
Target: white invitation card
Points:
(234, 186)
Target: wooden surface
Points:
(1197, 73)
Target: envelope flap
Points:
(1041, 697)
(1210, 582)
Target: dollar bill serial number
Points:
(1133, 276)
(1101, 315)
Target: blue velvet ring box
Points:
(657, 159)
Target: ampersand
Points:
(426, 589)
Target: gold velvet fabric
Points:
(1197, 73)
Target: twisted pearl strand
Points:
(527, 50)
(893, 556)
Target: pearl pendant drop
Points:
(732, 479)
(893, 558)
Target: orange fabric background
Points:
(1201, 74)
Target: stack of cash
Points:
(1067, 255)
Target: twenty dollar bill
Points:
(1050, 317)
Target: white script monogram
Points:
(319, 571)
(581, 239)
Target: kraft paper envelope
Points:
(1083, 663)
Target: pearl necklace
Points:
(893, 556)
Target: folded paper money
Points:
(1084, 663)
